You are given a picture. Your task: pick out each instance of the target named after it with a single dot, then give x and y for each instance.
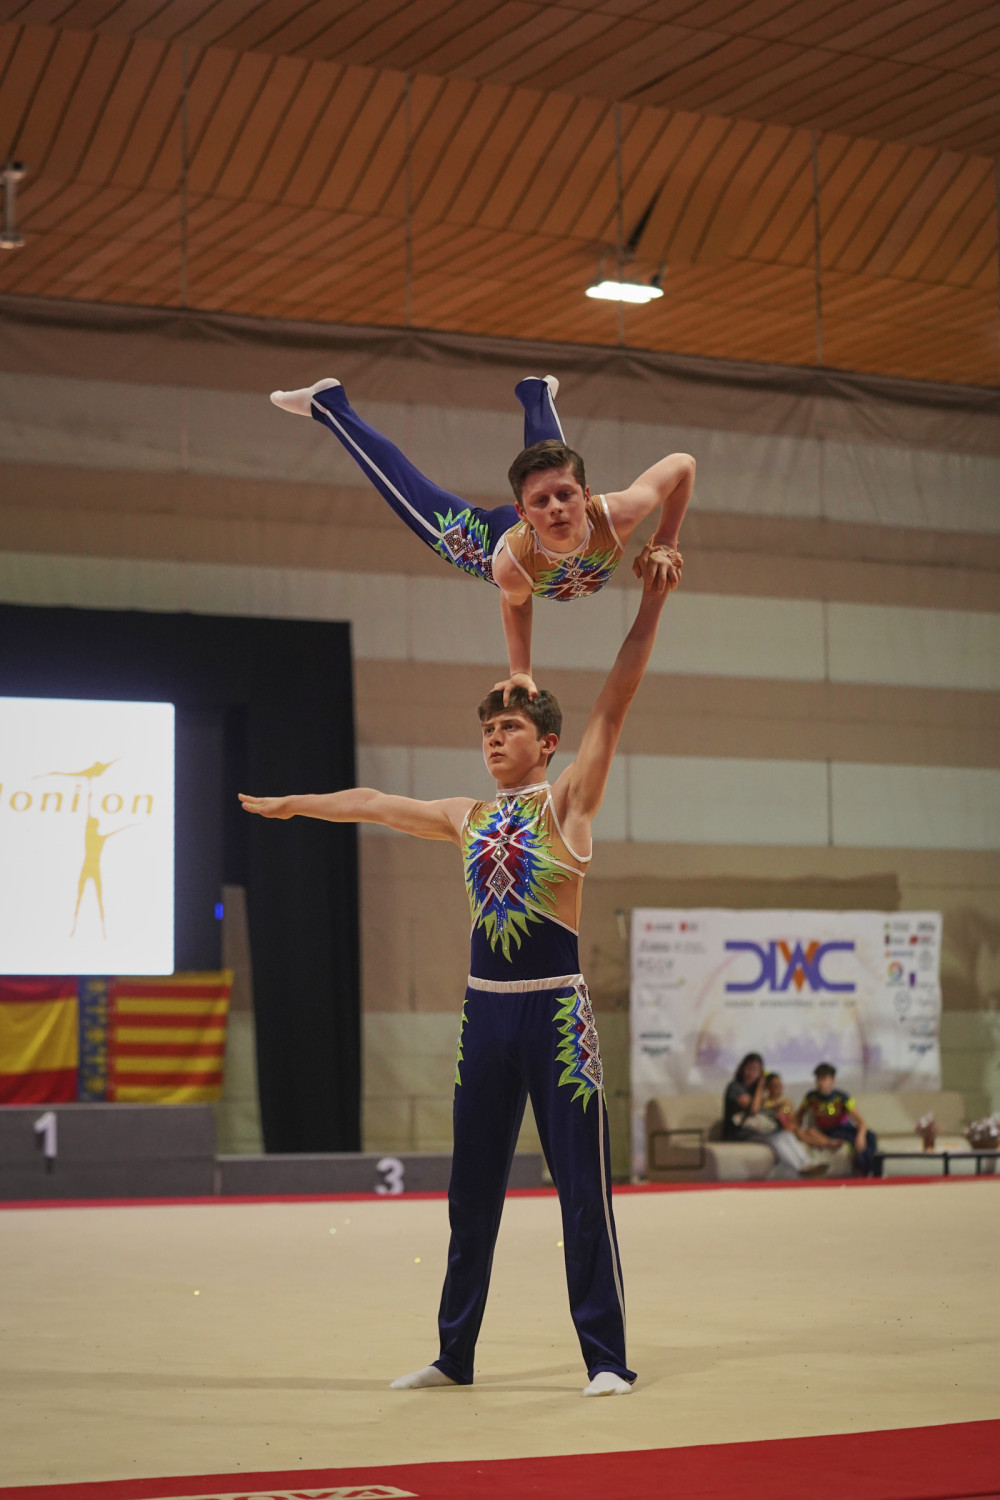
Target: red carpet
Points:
(956, 1462)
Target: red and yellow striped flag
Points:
(167, 1038)
(38, 1041)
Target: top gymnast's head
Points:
(551, 494)
(521, 739)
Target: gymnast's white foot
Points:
(300, 402)
(607, 1384)
(420, 1380)
(552, 381)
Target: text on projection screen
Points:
(86, 837)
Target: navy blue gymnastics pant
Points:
(463, 534)
(541, 1045)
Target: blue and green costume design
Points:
(463, 534)
(528, 1032)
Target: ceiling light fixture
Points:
(10, 175)
(624, 291)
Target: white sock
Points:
(430, 1375)
(552, 381)
(607, 1384)
(300, 402)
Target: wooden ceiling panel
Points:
(552, 201)
(782, 196)
(980, 54)
(569, 58)
(52, 87)
(450, 122)
(151, 154)
(969, 201)
(976, 266)
(377, 112)
(294, 134)
(904, 30)
(298, 172)
(536, 172)
(712, 57)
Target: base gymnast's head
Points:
(519, 740)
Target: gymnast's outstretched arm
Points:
(441, 819)
(668, 484)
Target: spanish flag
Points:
(39, 1044)
(167, 1038)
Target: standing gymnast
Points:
(527, 1027)
(556, 541)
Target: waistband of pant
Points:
(525, 986)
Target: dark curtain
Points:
(280, 695)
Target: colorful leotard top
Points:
(567, 575)
(525, 884)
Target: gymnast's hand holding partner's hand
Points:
(661, 564)
(268, 807)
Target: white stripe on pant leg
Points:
(552, 408)
(607, 1208)
(376, 470)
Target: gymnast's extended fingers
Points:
(267, 807)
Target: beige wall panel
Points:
(207, 351)
(452, 773)
(454, 618)
(168, 428)
(387, 768)
(712, 633)
(581, 632)
(207, 518)
(432, 1124)
(387, 1124)
(922, 807)
(434, 706)
(413, 1055)
(728, 800)
(875, 483)
(387, 964)
(612, 821)
(948, 868)
(697, 800)
(773, 475)
(756, 572)
(278, 593)
(939, 648)
(802, 541)
(441, 947)
(970, 1059)
(396, 617)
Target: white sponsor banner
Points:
(86, 837)
(859, 989)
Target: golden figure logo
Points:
(94, 839)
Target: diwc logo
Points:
(51, 803)
(781, 965)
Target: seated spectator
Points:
(743, 1119)
(833, 1114)
(777, 1103)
